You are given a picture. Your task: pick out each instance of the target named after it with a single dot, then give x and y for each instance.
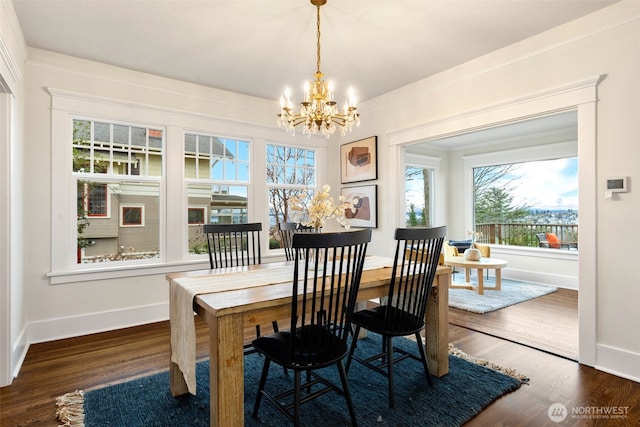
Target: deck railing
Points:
(525, 234)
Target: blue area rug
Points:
(512, 292)
(453, 400)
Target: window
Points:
(217, 171)
(516, 203)
(290, 170)
(123, 183)
(196, 215)
(131, 216)
(419, 183)
(105, 156)
(92, 200)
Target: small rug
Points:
(453, 400)
(512, 292)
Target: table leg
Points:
(480, 282)
(437, 330)
(498, 278)
(226, 377)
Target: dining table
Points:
(234, 298)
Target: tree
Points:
(288, 174)
(424, 175)
(492, 189)
(495, 206)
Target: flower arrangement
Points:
(314, 211)
(474, 235)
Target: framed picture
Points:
(366, 214)
(359, 160)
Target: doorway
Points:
(499, 153)
(580, 96)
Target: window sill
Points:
(120, 271)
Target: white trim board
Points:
(91, 323)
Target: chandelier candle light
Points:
(318, 111)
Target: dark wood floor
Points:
(54, 368)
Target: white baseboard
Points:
(91, 323)
(618, 362)
(567, 282)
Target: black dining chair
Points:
(402, 314)
(322, 302)
(286, 231)
(233, 245)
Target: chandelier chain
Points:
(318, 43)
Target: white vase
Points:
(472, 254)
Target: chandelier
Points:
(318, 112)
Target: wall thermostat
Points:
(617, 184)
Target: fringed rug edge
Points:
(454, 351)
(70, 411)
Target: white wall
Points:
(12, 314)
(605, 43)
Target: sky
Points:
(548, 184)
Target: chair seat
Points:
(322, 348)
(373, 320)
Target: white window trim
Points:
(428, 162)
(65, 108)
(318, 154)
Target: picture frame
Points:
(366, 215)
(359, 160)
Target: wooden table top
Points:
(236, 301)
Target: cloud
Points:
(549, 184)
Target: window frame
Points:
(65, 109)
(436, 210)
(288, 187)
(196, 180)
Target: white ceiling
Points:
(257, 47)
